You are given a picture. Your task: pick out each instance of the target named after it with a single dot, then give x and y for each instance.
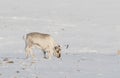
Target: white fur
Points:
(43, 41)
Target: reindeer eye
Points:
(57, 51)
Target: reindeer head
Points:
(57, 52)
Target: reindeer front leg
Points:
(27, 52)
(45, 54)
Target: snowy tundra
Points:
(87, 30)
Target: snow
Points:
(87, 30)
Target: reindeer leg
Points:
(27, 52)
(50, 54)
(45, 54)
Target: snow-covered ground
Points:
(90, 27)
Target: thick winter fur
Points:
(44, 42)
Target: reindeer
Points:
(44, 42)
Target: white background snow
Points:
(90, 27)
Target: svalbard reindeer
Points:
(44, 42)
